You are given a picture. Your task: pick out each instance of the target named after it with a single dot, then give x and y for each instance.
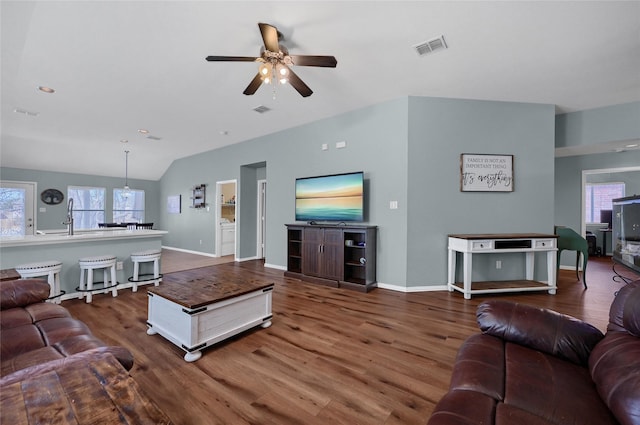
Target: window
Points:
(128, 207)
(598, 197)
(88, 206)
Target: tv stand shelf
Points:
(333, 255)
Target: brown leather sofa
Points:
(53, 370)
(35, 332)
(536, 366)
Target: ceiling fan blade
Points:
(270, 37)
(254, 85)
(298, 84)
(231, 59)
(307, 60)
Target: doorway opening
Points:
(226, 214)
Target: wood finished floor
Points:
(331, 356)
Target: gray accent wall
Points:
(56, 214)
(440, 130)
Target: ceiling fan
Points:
(275, 62)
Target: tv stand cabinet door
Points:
(332, 262)
(311, 246)
(322, 253)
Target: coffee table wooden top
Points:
(202, 291)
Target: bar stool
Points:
(144, 257)
(51, 269)
(105, 262)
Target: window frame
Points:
(589, 200)
(78, 212)
(134, 193)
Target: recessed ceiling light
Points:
(143, 131)
(224, 133)
(632, 145)
(124, 141)
(45, 89)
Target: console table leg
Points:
(467, 266)
(551, 271)
(451, 279)
(530, 263)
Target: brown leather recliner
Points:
(34, 332)
(536, 366)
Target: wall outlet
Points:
(393, 205)
(498, 264)
(119, 265)
(200, 241)
(325, 147)
(341, 145)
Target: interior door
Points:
(17, 208)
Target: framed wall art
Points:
(174, 204)
(486, 173)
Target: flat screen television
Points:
(626, 231)
(337, 197)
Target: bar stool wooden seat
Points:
(51, 269)
(108, 265)
(144, 257)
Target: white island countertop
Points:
(49, 238)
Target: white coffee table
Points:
(196, 314)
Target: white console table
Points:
(527, 243)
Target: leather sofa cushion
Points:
(615, 361)
(552, 388)
(19, 340)
(29, 359)
(14, 317)
(541, 329)
(44, 311)
(479, 366)
(19, 293)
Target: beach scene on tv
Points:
(330, 198)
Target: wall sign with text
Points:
(486, 173)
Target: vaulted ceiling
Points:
(121, 66)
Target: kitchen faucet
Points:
(69, 222)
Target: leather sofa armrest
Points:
(541, 329)
(22, 292)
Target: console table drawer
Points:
(482, 245)
(545, 243)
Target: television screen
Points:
(338, 197)
(626, 232)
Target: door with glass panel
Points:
(17, 208)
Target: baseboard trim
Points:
(275, 266)
(407, 289)
(188, 251)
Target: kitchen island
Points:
(69, 249)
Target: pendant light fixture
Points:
(126, 192)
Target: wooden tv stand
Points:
(333, 255)
(527, 243)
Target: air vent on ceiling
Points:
(430, 46)
(150, 137)
(261, 109)
(25, 112)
